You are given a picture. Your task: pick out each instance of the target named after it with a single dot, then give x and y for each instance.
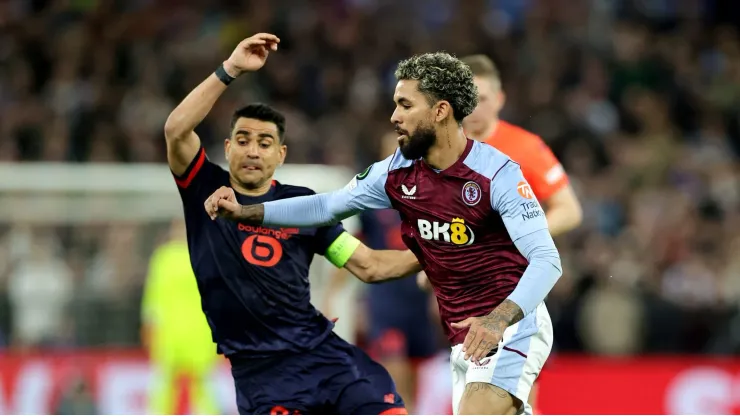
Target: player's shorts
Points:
(411, 335)
(515, 364)
(334, 378)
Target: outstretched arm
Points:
(365, 191)
(371, 266)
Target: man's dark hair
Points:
(441, 76)
(262, 112)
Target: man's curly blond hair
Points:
(441, 76)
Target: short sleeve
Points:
(513, 198)
(543, 171)
(325, 236)
(200, 178)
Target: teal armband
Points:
(342, 249)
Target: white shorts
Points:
(521, 354)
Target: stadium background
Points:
(639, 99)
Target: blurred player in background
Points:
(539, 165)
(175, 330)
(254, 283)
(402, 331)
(470, 218)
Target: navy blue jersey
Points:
(381, 230)
(253, 280)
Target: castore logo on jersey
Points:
(408, 193)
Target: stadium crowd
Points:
(640, 100)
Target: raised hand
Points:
(251, 54)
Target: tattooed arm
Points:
(505, 315)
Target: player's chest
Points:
(450, 210)
(267, 246)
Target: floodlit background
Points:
(639, 99)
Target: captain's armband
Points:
(342, 249)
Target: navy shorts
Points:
(334, 378)
(402, 329)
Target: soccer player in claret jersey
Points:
(253, 280)
(540, 167)
(472, 221)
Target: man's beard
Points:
(417, 145)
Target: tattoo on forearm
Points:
(254, 214)
(506, 314)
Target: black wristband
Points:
(223, 76)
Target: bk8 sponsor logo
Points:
(456, 232)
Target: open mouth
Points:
(251, 168)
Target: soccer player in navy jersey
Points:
(253, 280)
(472, 221)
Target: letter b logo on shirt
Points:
(262, 250)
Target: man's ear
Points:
(283, 152)
(442, 110)
(227, 148)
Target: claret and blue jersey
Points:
(475, 227)
(461, 223)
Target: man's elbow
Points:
(173, 129)
(371, 273)
(576, 214)
(363, 265)
(548, 257)
(553, 258)
(170, 128)
(365, 274)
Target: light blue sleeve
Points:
(525, 221)
(364, 192)
(513, 199)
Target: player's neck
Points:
(447, 150)
(258, 191)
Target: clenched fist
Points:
(223, 203)
(251, 54)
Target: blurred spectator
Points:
(40, 289)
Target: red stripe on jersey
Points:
(184, 183)
(395, 411)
